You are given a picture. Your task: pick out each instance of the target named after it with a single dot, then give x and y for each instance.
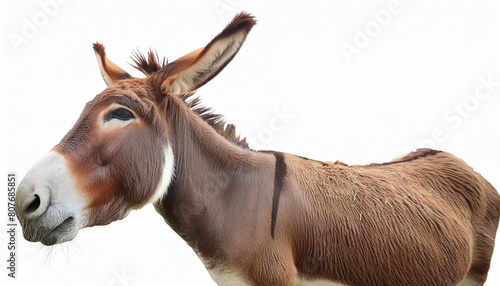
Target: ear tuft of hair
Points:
(99, 48)
(110, 71)
(242, 20)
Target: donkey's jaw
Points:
(47, 205)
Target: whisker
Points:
(56, 255)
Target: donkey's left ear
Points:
(193, 70)
(109, 70)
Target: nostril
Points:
(33, 206)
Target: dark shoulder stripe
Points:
(279, 178)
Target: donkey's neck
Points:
(209, 171)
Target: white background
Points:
(417, 63)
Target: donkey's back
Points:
(426, 218)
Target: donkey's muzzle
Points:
(48, 206)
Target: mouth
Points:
(63, 232)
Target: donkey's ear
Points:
(193, 70)
(110, 72)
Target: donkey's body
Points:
(256, 218)
(425, 219)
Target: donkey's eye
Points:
(120, 114)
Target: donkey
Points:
(255, 217)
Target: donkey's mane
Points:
(152, 63)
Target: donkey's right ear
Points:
(188, 73)
(110, 71)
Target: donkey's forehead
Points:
(134, 88)
(136, 94)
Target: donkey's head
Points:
(118, 156)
